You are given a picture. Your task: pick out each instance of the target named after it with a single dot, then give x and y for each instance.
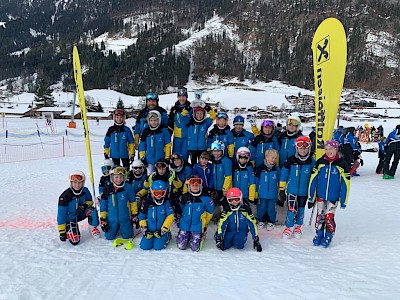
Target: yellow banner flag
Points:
(329, 48)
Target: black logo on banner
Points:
(323, 47)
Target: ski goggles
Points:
(194, 181)
(137, 168)
(151, 96)
(303, 144)
(76, 178)
(119, 112)
(105, 168)
(158, 193)
(119, 171)
(292, 122)
(161, 165)
(222, 115)
(244, 156)
(175, 156)
(267, 123)
(234, 201)
(182, 92)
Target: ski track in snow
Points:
(361, 263)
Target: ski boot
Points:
(261, 225)
(287, 233)
(318, 237)
(297, 232)
(270, 226)
(94, 231)
(326, 240)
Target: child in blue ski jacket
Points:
(267, 189)
(197, 129)
(222, 176)
(329, 186)
(243, 174)
(236, 223)
(74, 205)
(263, 141)
(197, 210)
(152, 103)
(381, 155)
(108, 164)
(293, 186)
(137, 176)
(287, 138)
(119, 141)
(155, 141)
(178, 118)
(155, 218)
(241, 137)
(221, 132)
(204, 170)
(118, 206)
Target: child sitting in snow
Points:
(74, 205)
(329, 186)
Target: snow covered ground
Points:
(361, 263)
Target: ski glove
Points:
(135, 220)
(361, 162)
(81, 209)
(63, 237)
(147, 234)
(131, 159)
(207, 108)
(310, 204)
(106, 156)
(144, 161)
(282, 198)
(256, 244)
(220, 242)
(104, 225)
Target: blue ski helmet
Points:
(238, 120)
(218, 145)
(158, 191)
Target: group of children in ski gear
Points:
(230, 172)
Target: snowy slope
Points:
(362, 262)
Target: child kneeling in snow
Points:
(235, 224)
(74, 205)
(155, 218)
(118, 206)
(197, 210)
(330, 184)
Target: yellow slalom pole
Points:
(82, 105)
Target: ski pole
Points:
(312, 213)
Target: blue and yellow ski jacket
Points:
(119, 142)
(295, 175)
(330, 181)
(196, 212)
(241, 220)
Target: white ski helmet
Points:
(137, 168)
(243, 151)
(77, 176)
(154, 114)
(108, 164)
(294, 120)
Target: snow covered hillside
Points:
(361, 263)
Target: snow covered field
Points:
(361, 263)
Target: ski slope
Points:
(361, 263)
